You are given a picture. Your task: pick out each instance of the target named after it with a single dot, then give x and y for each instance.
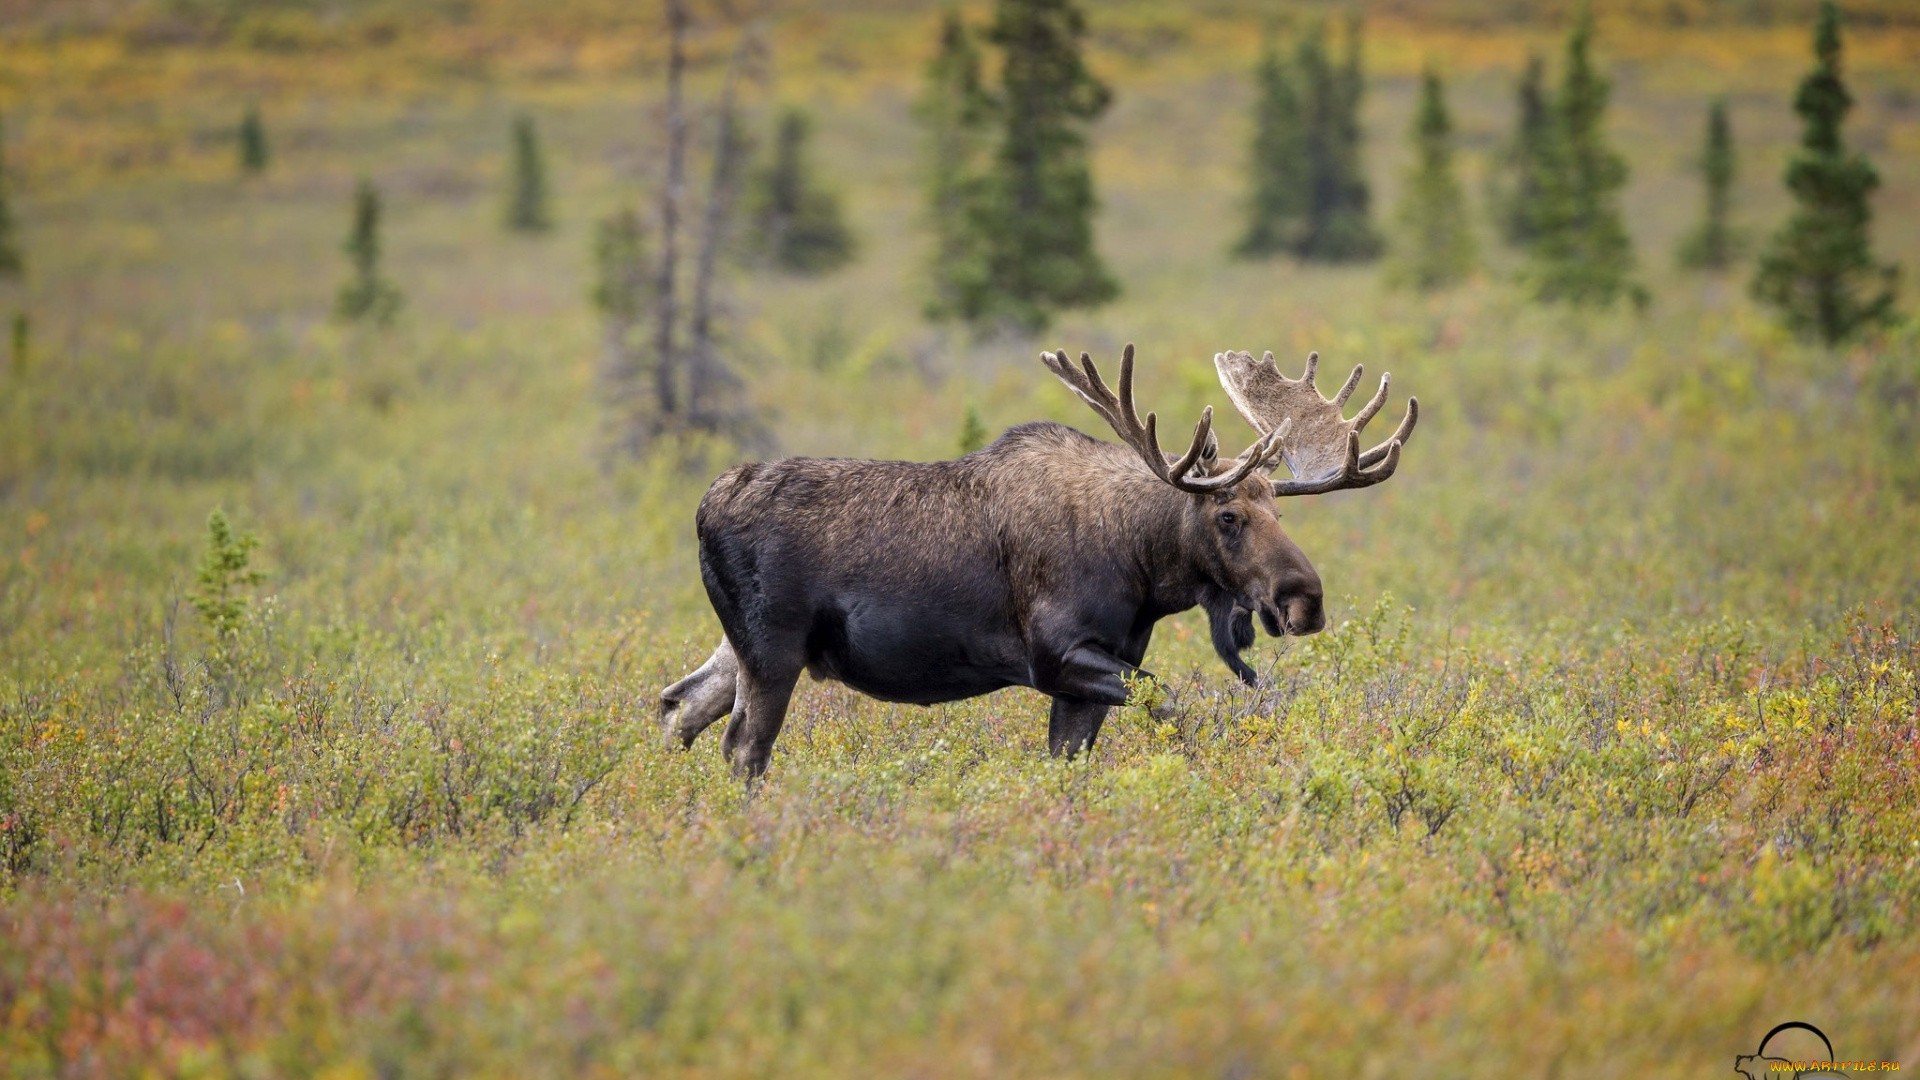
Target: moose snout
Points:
(1298, 605)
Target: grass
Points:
(1605, 766)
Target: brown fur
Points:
(1043, 560)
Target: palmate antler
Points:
(1118, 410)
(1320, 447)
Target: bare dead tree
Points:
(666, 307)
(692, 387)
(709, 380)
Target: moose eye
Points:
(1228, 519)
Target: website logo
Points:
(1761, 1065)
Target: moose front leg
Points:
(1073, 725)
(1085, 682)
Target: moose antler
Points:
(1320, 447)
(1118, 410)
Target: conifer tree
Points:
(973, 431)
(12, 265)
(1435, 248)
(253, 141)
(527, 201)
(1712, 245)
(797, 224)
(1278, 203)
(953, 108)
(1818, 269)
(21, 342)
(1036, 208)
(1581, 254)
(1517, 186)
(1338, 226)
(366, 295)
(621, 280)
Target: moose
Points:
(1043, 560)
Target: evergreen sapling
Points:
(1713, 244)
(1818, 270)
(366, 296)
(953, 109)
(253, 141)
(12, 265)
(527, 200)
(1037, 204)
(1516, 188)
(798, 225)
(1581, 253)
(1436, 243)
(1276, 207)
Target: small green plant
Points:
(527, 209)
(225, 570)
(973, 431)
(367, 296)
(253, 141)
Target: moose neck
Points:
(1171, 548)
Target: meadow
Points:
(1606, 765)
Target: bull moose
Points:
(1042, 560)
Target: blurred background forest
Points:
(1606, 765)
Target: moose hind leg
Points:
(691, 705)
(759, 710)
(1073, 725)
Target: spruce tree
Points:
(1517, 186)
(1277, 206)
(366, 295)
(1582, 254)
(527, 200)
(973, 431)
(621, 279)
(1338, 227)
(253, 141)
(1435, 248)
(1819, 269)
(1035, 214)
(21, 341)
(1712, 245)
(797, 224)
(954, 109)
(12, 265)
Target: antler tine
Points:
(1350, 475)
(1126, 379)
(1120, 411)
(1197, 448)
(1318, 444)
(1346, 391)
(1398, 438)
(1254, 458)
(1373, 404)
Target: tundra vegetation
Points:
(1605, 764)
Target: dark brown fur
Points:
(1043, 560)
